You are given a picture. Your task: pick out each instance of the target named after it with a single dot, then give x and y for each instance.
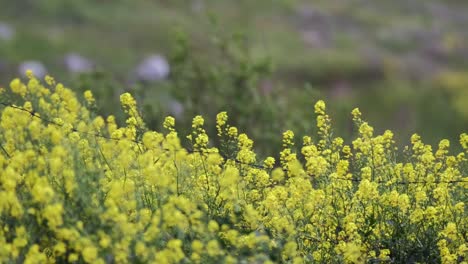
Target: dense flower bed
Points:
(76, 187)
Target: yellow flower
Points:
(49, 80)
(353, 253)
(28, 106)
(320, 107)
(169, 123)
(88, 95)
(213, 226)
(464, 141)
(17, 87)
(221, 119)
(73, 257)
(384, 254)
(29, 74)
(90, 254)
(365, 130)
(127, 100)
(104, 241)
(269, 162)
(41, 191)
(232, 132)
(197, 246)
(60, 248)
(288, 139)
(198, 121)
(212, 248)
(356, 113)
(175, 248)
(35, 256)
(53, 214)
(290, 250)
(144, 201)
(141, 250)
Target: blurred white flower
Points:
(153, 68)
(6, 31)
(36, 67)
(76, 63)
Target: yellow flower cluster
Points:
(79, 188)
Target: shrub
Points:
(77, 187)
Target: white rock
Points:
(153, 68)
(76, 63)
(36, 67)
(6, 31)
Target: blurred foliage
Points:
(260, 60)
(456, 84)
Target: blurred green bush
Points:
(266, 72)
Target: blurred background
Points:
(404, 63)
